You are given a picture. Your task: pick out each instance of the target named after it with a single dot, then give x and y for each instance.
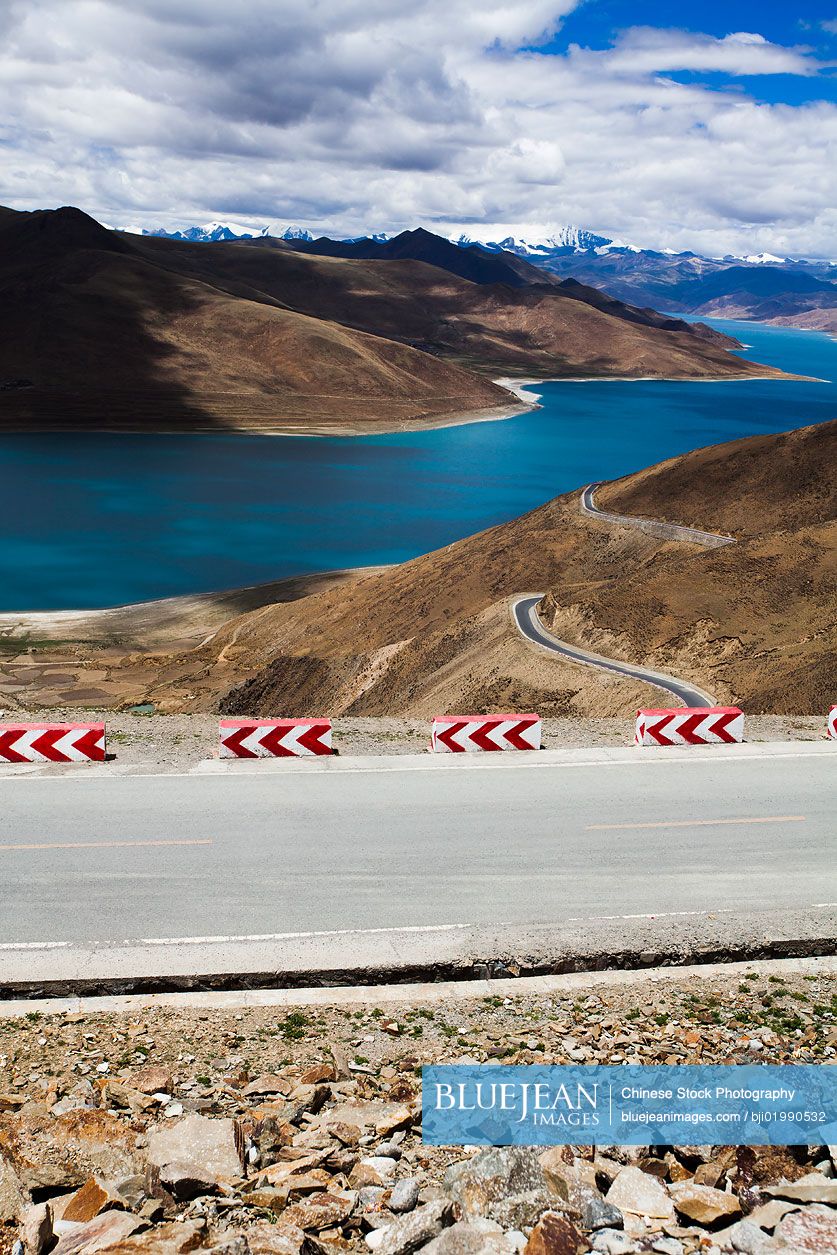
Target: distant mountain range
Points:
(758, 286)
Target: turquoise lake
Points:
(101, 520)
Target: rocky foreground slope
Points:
(101, 330)
(296, 1130)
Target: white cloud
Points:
(646, 50)
(351, 114)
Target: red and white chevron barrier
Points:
(832, 723)
(458, 734)
(52, 742)
(701, 725)
(274, 738)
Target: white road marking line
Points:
(332, 932)
(355, 932)
(586, 919)
(100, 845)
(698, 823)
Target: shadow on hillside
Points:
(78, 348)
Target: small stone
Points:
(267, 1083)
(554, 1235)
(597, 1213)
(475, 1237)
(813, 1188)
(152, 1210)
(811, 1231)
(348, 1134)
(186, 1181)
(404, 1195)
(36, 1230)
(152, 1080)
(667, 1246)
(317, 1074)
(370, 1197)
(363, 1176)
(769, 1214)
(636, 1192)
(268, 1199)
(413, 1232)
(743, 1237)
(320, 1211)
(90, 1200)
(612, 1242)
(703, 1203)
(108, 1229)
(381, 1164)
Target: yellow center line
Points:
(700, 823)
(97, 845)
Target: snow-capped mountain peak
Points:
(764, 259)
(211, 232)
(561, 242)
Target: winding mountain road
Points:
(667, 531)
(525, 615)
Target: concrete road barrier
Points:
(832, 723)
(274, 738)
(52, 742)
(702, 725)
(458, 734)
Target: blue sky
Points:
(715, 131)
(599, 23)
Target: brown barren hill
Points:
(754, 622)
(94, 334)
(103, 330)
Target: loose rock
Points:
(642, 1195)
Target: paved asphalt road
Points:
(412, 847)
(669, 531)
(527, 620)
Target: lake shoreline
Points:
(516, 387)
(168, 618)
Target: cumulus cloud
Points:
(348, 115)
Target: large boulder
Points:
(99, 1234)
(504, 1183)
(636, 1192)
(13, 1194)
(195, 1149)
(61, 1152)
(703, 1203)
